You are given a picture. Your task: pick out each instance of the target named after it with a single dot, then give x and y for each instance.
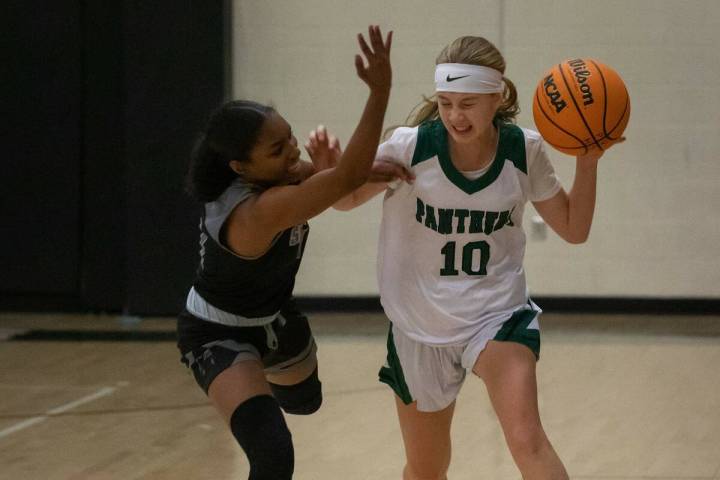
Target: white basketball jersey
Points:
(451, 249)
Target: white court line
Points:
(55, 411)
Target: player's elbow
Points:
(576, 241)
(576, 238)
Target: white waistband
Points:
(199, 307)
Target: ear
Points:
(237, 167)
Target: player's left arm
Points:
(570, 214)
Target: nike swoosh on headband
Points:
(452, 79)
(467, 78)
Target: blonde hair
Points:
(472, 51)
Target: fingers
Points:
(319, 135)
(323, 146)
(374, 69)
(609, 143)
(360, 67)
(591, 155)
(379, 46)
(364, 46)
(399, 171)
(380, 178)
(310, 151)
(388, 41)
(316, 140)
(376, 39)
(384, 170)
(406, 175)
(595, 152)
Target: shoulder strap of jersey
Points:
(511, 146)
(429, 141)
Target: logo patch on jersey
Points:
(297, 234)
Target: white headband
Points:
(465, 78)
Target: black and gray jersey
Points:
(236, 290)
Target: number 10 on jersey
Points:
(468, 255)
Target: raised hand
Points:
(377, 74)
(323, 148)
(594, 153)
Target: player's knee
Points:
(260, 429)
(426, 473)
(428, 467)
(302, 398)
(526, 442)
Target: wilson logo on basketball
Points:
(553, 94)
(581, 72)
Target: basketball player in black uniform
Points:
(247, 345)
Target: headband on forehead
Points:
(465, 78)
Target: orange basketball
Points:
(579, 104)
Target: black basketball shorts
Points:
(208, 348)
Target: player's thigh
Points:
(236, 384)
(508, 370)
(426, 435)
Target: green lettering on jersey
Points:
(448, 252)
(490, 218)
(445, 215)
(469, 252)
(502, 220)
(476, 221)
(420, 212)
(461, 215)
(430, 220)
(510, 222)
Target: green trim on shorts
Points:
(515, 330)
(392, 373)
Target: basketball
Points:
(580, 104)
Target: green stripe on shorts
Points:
(515, 330)
(392, 373)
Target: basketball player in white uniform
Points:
(450, 261)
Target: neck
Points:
(477, 154)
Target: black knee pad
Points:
(302, 398)
(260, 429)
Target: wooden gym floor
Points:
(103, 398)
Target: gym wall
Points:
(656, 227)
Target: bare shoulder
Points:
(246, 235)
